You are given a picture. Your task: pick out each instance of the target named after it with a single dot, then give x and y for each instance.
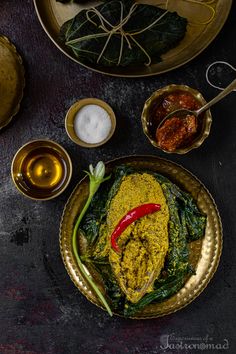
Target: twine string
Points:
(113, 29)
(207, 5)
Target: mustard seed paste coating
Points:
(144, 243)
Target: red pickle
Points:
(176, 131)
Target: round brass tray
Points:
(204, 254)
(53, 14)
(12, 81)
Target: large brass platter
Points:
(204, 254)
(12, 81)
(53, 14)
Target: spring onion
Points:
(96, 177)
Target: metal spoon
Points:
(181, 113)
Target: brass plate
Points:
(12, 81)
(204, 254)
(53, 14)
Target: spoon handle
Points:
(219, 97)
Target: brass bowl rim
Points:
(78, 105)
(69, 172)
(168, 89)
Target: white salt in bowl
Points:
(77, 125)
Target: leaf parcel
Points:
(122, 33)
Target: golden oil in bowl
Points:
(41, 169)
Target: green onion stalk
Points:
(96, 177)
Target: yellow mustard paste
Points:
(144, 243)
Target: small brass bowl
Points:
(41, 169)
(71, 114)
(156, 97)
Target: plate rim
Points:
(207, 278)
(18, 57)
(70, 56)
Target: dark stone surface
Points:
(40, 309)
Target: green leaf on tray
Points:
(120, 32)
(186, 224)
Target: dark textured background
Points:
(40, 309)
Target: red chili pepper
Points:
(131, 216)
